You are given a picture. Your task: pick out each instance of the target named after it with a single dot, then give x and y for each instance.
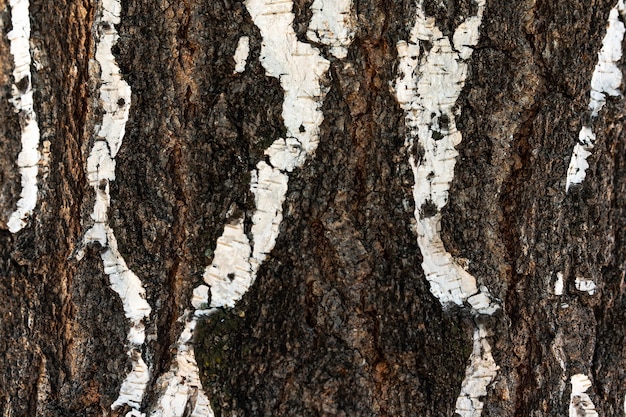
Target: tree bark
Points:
(342, 316)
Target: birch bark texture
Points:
(312, 207)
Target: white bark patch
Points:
(585, 285)
(115, 95)
(236, 261)
(182, 389)
(332, 24)
(559, 284)
(229, 275)
(22, 99)
(606, 80)
(580, 402)
(131, 392)
(478, 375)
(269, 186)
(241, 54)
(427, 88)
(300, 69)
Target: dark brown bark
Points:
(340, 320)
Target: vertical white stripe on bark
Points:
(427, 89)
(181, 386)
(478, 375)
(241, 54)
(606, 80)
(22, 99)
(580, 402)
(300, 69)
(230, 277)
(559, 284)
(115, 96)
(230, 273)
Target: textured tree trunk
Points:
(312, 208)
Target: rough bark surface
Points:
(340, 320)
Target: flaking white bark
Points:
(115, 96)
(332, 24)
(478, 375)
(580, 402)
(181, 386)
(427, 88)
(559, 284)
(22, 99)
(605, 81)
(241, 54)
(230, 274)
(585, 285)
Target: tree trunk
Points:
(309, 208)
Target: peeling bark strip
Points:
(332, 24)
(479, 374)
(241, 54)
(580, 402)
(22, 99)
(427, 89)
(606, 80)
(300, 69)
(182, 386)
(115, 95)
